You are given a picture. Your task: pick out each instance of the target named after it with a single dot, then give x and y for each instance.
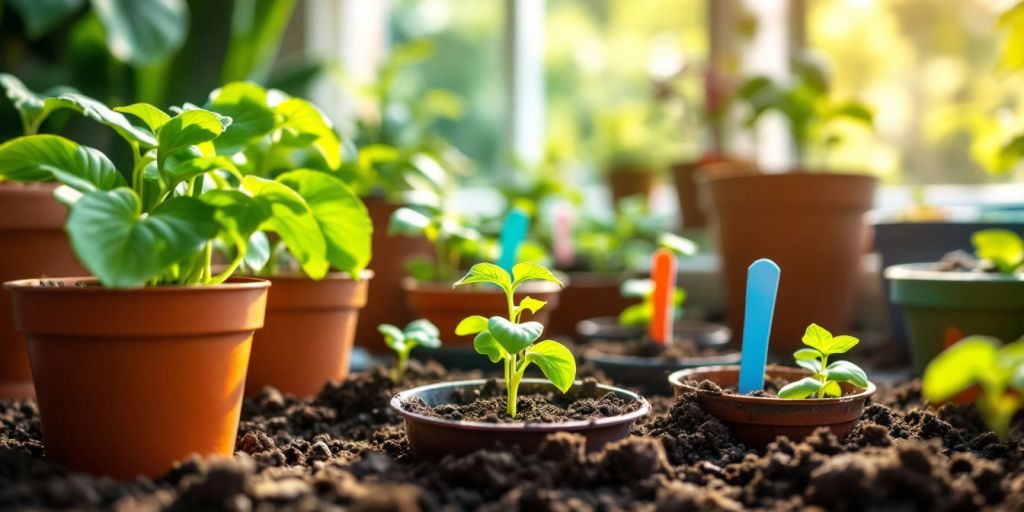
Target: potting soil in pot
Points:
(344, 448)
(678, 350)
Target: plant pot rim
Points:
(794, 176)
(926, 272)
(334, 275)
(678, 380)
(71, 285)
(412, 284)
(519, 426)
(589, 328)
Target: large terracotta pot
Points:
(446, 306)
(812, 226)
(587, 295)
(131, 380)
(32, 244)
(687, 177)
(386, 301)
(308, 335)
(626, 182)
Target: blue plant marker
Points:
(512, 236)
(762, 286)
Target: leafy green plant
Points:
(635, 137)
(826, 376)
(418, 333)
(1004, 248)
(642, 313)
(510, 341)
(806, 103)
(451, 237)
(997, 369)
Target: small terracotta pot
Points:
(586, 295)
(687, 176)
(431, 437)
(446, 306)
(131, 380)
(626, 182)
(307, 338)
(32, 245)
(757, 421)
(386, 299)
(813, 226)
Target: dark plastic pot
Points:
(934, 302)
(431, 437)
(757, 421)
(586, 295)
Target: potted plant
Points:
(620, 348)
(982, 295)
(319, 243)
(807, 220)
(419, 333)
(626, 142)
(147, 362)
(440, 418)
(833, 395)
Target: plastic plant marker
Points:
(663, 273)
(762, 287)
(561, 243)
(512, 235)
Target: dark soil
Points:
(772, 385)
(345, 450)
(489, 405)
(680, 349)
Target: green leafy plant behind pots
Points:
(1002, 247)
(825, 377)
(511, 342)
(418, 333)
(446, 230)
(641, 314)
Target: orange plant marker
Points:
(663, 273)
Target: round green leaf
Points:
(833, 389)
(485, 344)
(393, 336)
(513, 337)
(1001, 246)
(802, 388)
(555, 361)
(471, 325)
(193, 167)
(50, 157)
(424, 333)
(812, 366)
(487, 273)
(959, 367)
(143, 32)
(845, 371)
(806, 354)
(818, 338)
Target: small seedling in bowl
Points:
(1004, 248)
(982, 361)
(826, 376)
(418, 333)
(511, 342)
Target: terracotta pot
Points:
(431, 437)
(131, 380)
(935, 304)
(757, 421)
(32, 244)
(446, 306)
(687, 176)
(386, 300)
(307, 338)
(812, 226)
(630, 182)
(586, 295)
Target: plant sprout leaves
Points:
(529, 304)
(842, 343)
(487, 273)
(239, 213)
(152, 117)
(305, 125)
(1000, 246)
(555, 361)
(845, 371)
(806, 354)
(531, 271)
(51, 157)
(677, 244)
(812, 366)
(821, 340)
(833, 389)
(471, 325)
(251, 117)
(959, 367)
(802, 388)
(485, 344)
(513, 337)
(188, 128)
(394, 338)
(424, 333)
(637, 314)
(142, 32)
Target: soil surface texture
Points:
(345, 450)
(680, 349)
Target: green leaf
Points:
(188, 169)
(409, 222)
(394, 338)
(802, 388)
(811, 366)
(239, 213)
(188, 128)
(251, 118)
(677, 244)
(124, 247)
(487, 273)
(305, 125)
(842, 343)
(293, 220)
(833, 389)
(50, 157)
(532, 272)
(254, 42)
(529, 304)
(29, 105)
(638, 288)
(818, 338)
(471, 325)
(555, 361)
(151, 116)
(103, 114)
(40, 16)
(341, 215)
(257, 253)
(1000, 246)
(142, 32)
(854, 111)
(485, 344)
(513, 337)
(424, 332)
(807, 354)
(845, 371)
(636, 315)
(959, 367)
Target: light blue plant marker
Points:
(762, 287)
(512, 235)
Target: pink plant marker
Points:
(663, 273)
(562, 240)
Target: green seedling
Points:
(418, 333)
(510, 341)
(451, 237)
(825, 377)
(641, 314)
(1004, 248)
(997, 370)
(626, 241)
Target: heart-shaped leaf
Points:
(190, 127)
(293, 220)
(833, 389)
(305, 125)
(142, 32)
(528, 271)
(485, 344)
(239, 213)
(841, 344)
(818, 338)
(471, 325)
(251, 118)
(555, 361)
(487, 273)
(513, 337)
(845, 371)
(424, 333)
(806, 354)
(394, 338)
(50, 157)
(802, 388)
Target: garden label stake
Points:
(762, 286)
(663, 272)
(562, 241)
(512, 235)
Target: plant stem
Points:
(824, 377)
(511, 385)
(403, 359)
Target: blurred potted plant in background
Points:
(633, 142)
(811, 222)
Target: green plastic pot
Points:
(937, 304)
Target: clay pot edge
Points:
(677, 379)
(32, 286)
